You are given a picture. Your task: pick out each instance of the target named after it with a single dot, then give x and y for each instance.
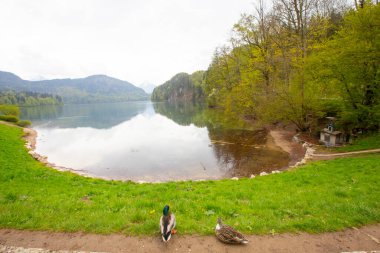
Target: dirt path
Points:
(284, 140)
(334, 155)
(363, 239)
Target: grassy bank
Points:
(324, 196)
(362, 143)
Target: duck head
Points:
(166, 210)
(219, 224)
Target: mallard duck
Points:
(228, 235)
(167, 224)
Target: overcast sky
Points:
(133, 40)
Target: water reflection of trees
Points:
(240, 150)
(101, 115)
(198, 114)
(183, 114)
(244, 152)
(43, 112)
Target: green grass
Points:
(323, 196)
(362, 143)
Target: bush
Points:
(9, 118)
(9, 110)
(24, 123)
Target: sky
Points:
(140, 41)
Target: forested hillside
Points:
(181, 88)
(97, 88)
(301, 61)
(28, 98)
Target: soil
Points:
(329, 156)
(363, 239)
(283, 138)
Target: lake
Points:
(151, 141)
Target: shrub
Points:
(10, 110)
(24, 123)
(9, 118)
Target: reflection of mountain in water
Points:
(183, 114)
(240, 151)
(101, 115)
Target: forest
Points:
(181, 88)
(28, 98)
(301, 61)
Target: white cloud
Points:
(137, 41)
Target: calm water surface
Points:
(150, 141)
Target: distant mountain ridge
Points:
(147, 87)
(181, 88)
(95, 88)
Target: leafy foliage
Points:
(24, 123)
(12, 110)
(299, 63)
(352, 63)
(9, 118)
(28, 98)
(180, 88)
(10, 113)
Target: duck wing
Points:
(229, 235)
(172, 222)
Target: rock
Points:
(252, 176)
(235, 178)
(263, 173)
(276, 172)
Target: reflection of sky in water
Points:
(148, 147)
(133, 140)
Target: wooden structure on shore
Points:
(329, 137)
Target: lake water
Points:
(151, 141)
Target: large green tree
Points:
(351, 62)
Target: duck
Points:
(167, 224)
(229, 235)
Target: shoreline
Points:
(278, 139)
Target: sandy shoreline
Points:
(284, 139)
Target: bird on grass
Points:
(228, 235)
(167, 224)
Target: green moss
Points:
(319, 197)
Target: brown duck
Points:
(228, 235)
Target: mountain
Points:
(96, 88)
(147, 87)
(180, 88)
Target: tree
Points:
(352, 59)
